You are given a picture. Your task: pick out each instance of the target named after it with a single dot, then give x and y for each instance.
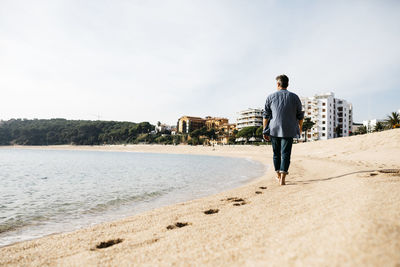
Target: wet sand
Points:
(341, 206)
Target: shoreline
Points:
(336, 209)
(123, 149)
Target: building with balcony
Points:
(187, 124)
(333, 117)
(249, 117)
(215, 122)
(222, 127)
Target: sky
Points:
(155, 61)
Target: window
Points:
(324, 104)
(323, 134)
(323, 128)
(323, 110)
(323, 122)
(323, 116)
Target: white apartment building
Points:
(249, 117)
(333, 117)
(161, 128)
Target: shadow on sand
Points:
(326, 179)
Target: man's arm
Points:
(266, 117)
(300, 114)
(265, 123)
(301, 126)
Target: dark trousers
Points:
(282, 147)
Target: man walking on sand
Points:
(283, 120)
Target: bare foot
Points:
(278, 177)
(282, 181)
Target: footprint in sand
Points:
(258, 192)
(390, 172)
(211, 211)
(237, 201)
(263, 187)
(177, 225)
(109, 243)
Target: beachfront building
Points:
(222, 127)
(187, 124)
(215, 122)
(173, 130)
(162, 128)
(249, 117)
(356, 126)
(333, 117)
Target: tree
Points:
(247, 132)
(79, 132)
(307, 125)
(259, 132)
(211, 134)
(198, 132)
(338, 131)
(393, 120)
(379, 126)
(361, 130)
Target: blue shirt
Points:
(283, 110)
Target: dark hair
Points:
(283, 80)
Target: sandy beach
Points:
(341, 206)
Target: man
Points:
(283, 120)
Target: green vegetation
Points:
(379, 127)
(307, 125)
(393, 120)
(77, 132)
(361, 130)
(211, 134)
(253, 134)
(248, 132)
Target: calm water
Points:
(49, 191)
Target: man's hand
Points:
(266, 137)
(301, 126)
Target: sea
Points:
(52, 191)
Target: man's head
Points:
(282, 81)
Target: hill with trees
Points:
(76, 132)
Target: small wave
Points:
(13, 224)
(122, 201)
